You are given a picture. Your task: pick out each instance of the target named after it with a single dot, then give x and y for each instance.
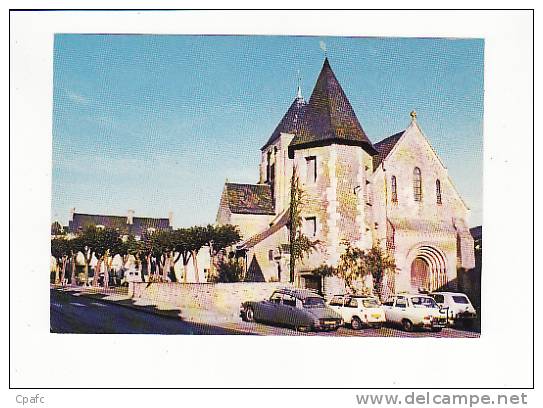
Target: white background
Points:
(502, 357)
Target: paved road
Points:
(79, 314)
(71, 314)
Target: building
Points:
(395, 193)
(126, 225)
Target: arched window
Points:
(417, 184)
(438, 191)
(394, 189)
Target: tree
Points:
(163, 247)
(183, 247)
(60, 251)
(56, 229)
(300, 245)
(218, 238)
(88, 240)
(355, 264)
(198, 239)
(76, 245)
(106, 241)
(135, 248)
(230, 269)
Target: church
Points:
(395, 193)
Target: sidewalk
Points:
(121, 297)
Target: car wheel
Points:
(356, 323)
(249, 314)
(407, 325)
(437, 329)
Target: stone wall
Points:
(220, 298)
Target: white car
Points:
(358, 311)
(458, 306)
(415, 310)
(130, 275)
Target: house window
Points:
(438, 191)
(310, 226)
(270, 255)
(311, 163)
(417, 184)
(268, 166)
(394, 189)
(271, 179)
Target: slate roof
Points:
(384, 147)
(329, 117)
(290, 122)
(138, 227)
(249, 198)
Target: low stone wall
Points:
(220, 298)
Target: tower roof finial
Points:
(413, 115)
(322, 44)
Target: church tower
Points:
(275, 166)
(333, 158)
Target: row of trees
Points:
(160, 251)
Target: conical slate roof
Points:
(329, 117)
(290, 122)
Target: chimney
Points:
(130, 217)
(170, 218)
(72, 212)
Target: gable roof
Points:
(384, 147)
(329, 117)
(290, 122)
(249, 198)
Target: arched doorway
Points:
(419, 273)
(428, 269)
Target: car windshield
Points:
(371, 303)
(460, 299)
(313, 302)
(424, 301)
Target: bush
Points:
(229, 270)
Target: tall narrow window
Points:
(417, 184)
(310, 226)
(268, 166)
(438, 191)
(311, 163)
(394, 189)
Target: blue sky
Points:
(156, 123)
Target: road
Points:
(71, 314)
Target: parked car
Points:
(302, 309)
(130, 275)
(415, 310)
(458, 306)
(358, 311)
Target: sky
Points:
(157, 123)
